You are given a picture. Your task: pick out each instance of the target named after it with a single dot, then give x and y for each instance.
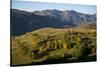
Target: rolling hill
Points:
(51, 45)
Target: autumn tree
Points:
(66, 40)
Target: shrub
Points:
(42, 49)
(93, 49)
(94, 34)
(75, 52)
(65, 46)
(79, 51)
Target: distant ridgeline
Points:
(23, 21)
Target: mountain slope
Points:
(68, 16)
(88, 26)
(23, 21)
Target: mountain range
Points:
(24, 21)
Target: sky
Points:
(33, 5)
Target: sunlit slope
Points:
(46, 43)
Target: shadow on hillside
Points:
(62, 60)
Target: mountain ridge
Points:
(67, 15)
(24, 21)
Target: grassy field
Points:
(61, 45)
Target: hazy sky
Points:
(31, 6)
